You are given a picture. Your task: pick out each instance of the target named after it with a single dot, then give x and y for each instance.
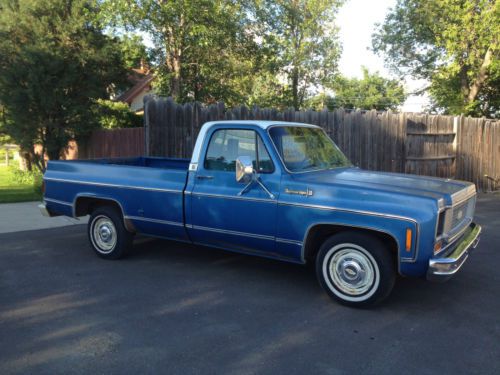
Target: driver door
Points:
(223, 217)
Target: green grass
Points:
(11, 192)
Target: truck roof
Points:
(264, 124)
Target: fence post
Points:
(146, 124)
(455, 143)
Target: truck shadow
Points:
(251, 271)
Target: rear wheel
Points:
(355, 269)
(107, 234)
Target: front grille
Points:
(460, 213)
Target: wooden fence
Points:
(115, 143)
(434, 145)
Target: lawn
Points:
(11, 192)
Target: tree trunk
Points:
(27, 160)
(176, 76)
(51, 143)
(481, 77)
(54, 153)
(295, 88)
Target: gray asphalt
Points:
(179, 309)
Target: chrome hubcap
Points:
(104, 234)
(351, 271)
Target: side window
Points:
(228, 144)
(265, 163)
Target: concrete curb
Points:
(18, 217)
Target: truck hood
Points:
(429, 187)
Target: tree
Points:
(134, 51)
(111, 115)
(370, 92)
(303, 36)
(55, 61)
(202, 46)
(269, 92)
(454, 44)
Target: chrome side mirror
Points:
(244, 169)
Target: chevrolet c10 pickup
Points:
(279, 190)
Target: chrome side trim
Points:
(234, 233)
(370, 213)
(112, 185)
(234, 197)
(156, 221)
(58, 201)
(291, 242)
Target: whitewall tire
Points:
(355, 268)
(107, 233)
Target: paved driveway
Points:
(179, 309)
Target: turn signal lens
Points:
(408, 239)
(437, 247)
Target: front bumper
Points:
(441, 269)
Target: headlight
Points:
(440, 225)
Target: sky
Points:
(356, 20)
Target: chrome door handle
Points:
(205, 177)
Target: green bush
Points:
(112, 115)
(20, 177)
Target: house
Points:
(141, 79)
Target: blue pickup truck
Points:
(279, 190)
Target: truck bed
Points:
(148, 190)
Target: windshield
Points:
(305, 149)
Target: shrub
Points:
(20, 177)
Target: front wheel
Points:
(107, 233)
(355, 269)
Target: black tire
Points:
(108, 236)
(355, 269)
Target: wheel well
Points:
(86, 205)
(319, 233)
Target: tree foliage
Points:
(202, 47)
(55, 61)
(303, 39)
(370, 92)
(455, 44)
(112, 115)
(134, 51)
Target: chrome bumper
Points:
(441, 269)
(43, 210)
